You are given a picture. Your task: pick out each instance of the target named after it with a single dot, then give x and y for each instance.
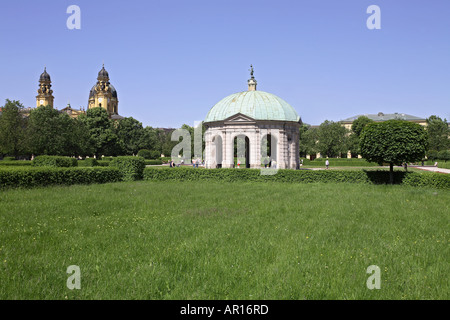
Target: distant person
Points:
(265, 163)
(239, 163)
(274, 164)
(327, 163)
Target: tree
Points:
(394, 142)
(12, 129)
(359, 124)
(438, 134)
(104, 140)
(308, 140)
(50, 132)
(130, 133)
(332, 138)
(353, 144)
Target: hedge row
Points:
(153, 162)
(436, 180)
(15, 163)
(444, 165)
(54, 161)
(339, 162)
(43, 176)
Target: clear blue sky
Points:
(171, 61)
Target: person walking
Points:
(239, 163)
(327, 163)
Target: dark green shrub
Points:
(9, 158)
(156, 155)
(444, 155)
(54, 161)
(145, 153)
(131, 168)
(43, 176)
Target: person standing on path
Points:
(327, 163)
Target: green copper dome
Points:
(258, 105)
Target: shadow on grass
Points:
(382, 177)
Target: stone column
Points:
(228, 156)
(255, 149)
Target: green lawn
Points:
(209, 240)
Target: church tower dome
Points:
(45, 93)
(103, 94)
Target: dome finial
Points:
(252, 81)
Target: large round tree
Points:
(393, 142)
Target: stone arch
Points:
(269, 147)
(241, 148)
(217, 151)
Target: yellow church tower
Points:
(45, 93)
(103, 94)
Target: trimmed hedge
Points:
(44, 176)
(444, 165)
(54, 161)
(132, 168)
(15, 163)
(9, 158)
(88, 162)
(153, 162)
(436, 180)
(339, 162)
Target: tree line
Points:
(47, 131)
(332, 139)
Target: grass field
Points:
(168, 240)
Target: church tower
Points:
(103, 94)
(45, 93)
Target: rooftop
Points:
(380, 116)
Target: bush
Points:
(436, 180)
(9, 158)
(444, 165)
(156, 155)
(153, 162)
(145, 153)
(339, 162)
(54, 161)
(444, 155)
(44, 176)
(131, 168)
